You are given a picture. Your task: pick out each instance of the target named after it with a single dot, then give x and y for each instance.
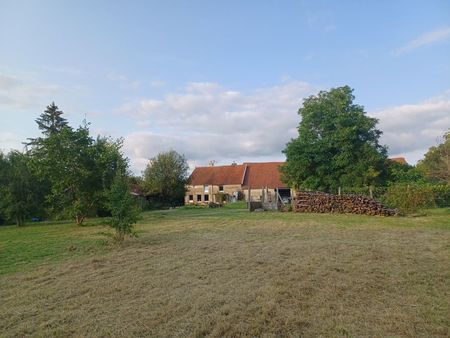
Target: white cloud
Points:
(9, 141)
(425, 39)
(18, 93)
(410, 129)
(206, 121)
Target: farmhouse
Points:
(236, 181)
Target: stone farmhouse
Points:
(236, 181)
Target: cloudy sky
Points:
(222, 80)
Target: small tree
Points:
(166, 176)
(123, 210)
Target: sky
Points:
(222, 80)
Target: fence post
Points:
(339, 191)
(370, 192)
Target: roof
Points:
(400, 160)
(249, 175)
(263, 175)
(218, 175)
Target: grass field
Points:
(226, 272)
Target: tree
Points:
(51, 121)
(78, 168)
(337, 145)
(122, 206)
(165, 176)
(436, 163)
(404, 173)
(21, 194)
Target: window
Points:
(199, 198)
(206, 188)
(206, 198)
(191, 198)
(221, 188)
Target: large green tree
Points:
(165, 177)
(21, 192)
(78, 168)
(338, 145)
(436, 163)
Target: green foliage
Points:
(337, 145)
(404, 173)
(165, 177)
(220, 197)
(51, 121)
(122, 206)
(21, 192)
(409, 198)
(78, 168)
(436, 163)
(441, 194)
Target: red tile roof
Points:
(218, 175)
(249, 175)
(400, 160)
(262, 175)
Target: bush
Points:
(441, 194)
(409, 198)
(123, 209)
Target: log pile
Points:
(320, 202)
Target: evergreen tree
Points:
(51, 120)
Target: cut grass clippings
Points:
(220, 272)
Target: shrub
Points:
(441, 194)
(409, 198)
(220, 197)
(122, 206)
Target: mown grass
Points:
(223, 272)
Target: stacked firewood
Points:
(306, 201)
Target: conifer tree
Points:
(51, 120)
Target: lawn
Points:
(227, 272)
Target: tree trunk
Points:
(79, 219)
(19, 221)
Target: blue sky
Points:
(222, 80)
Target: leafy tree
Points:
(21, 194)
(79, 168)
(436, 163)
(165, 176)
(122, 206)
(404, 173)
(337, 145)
